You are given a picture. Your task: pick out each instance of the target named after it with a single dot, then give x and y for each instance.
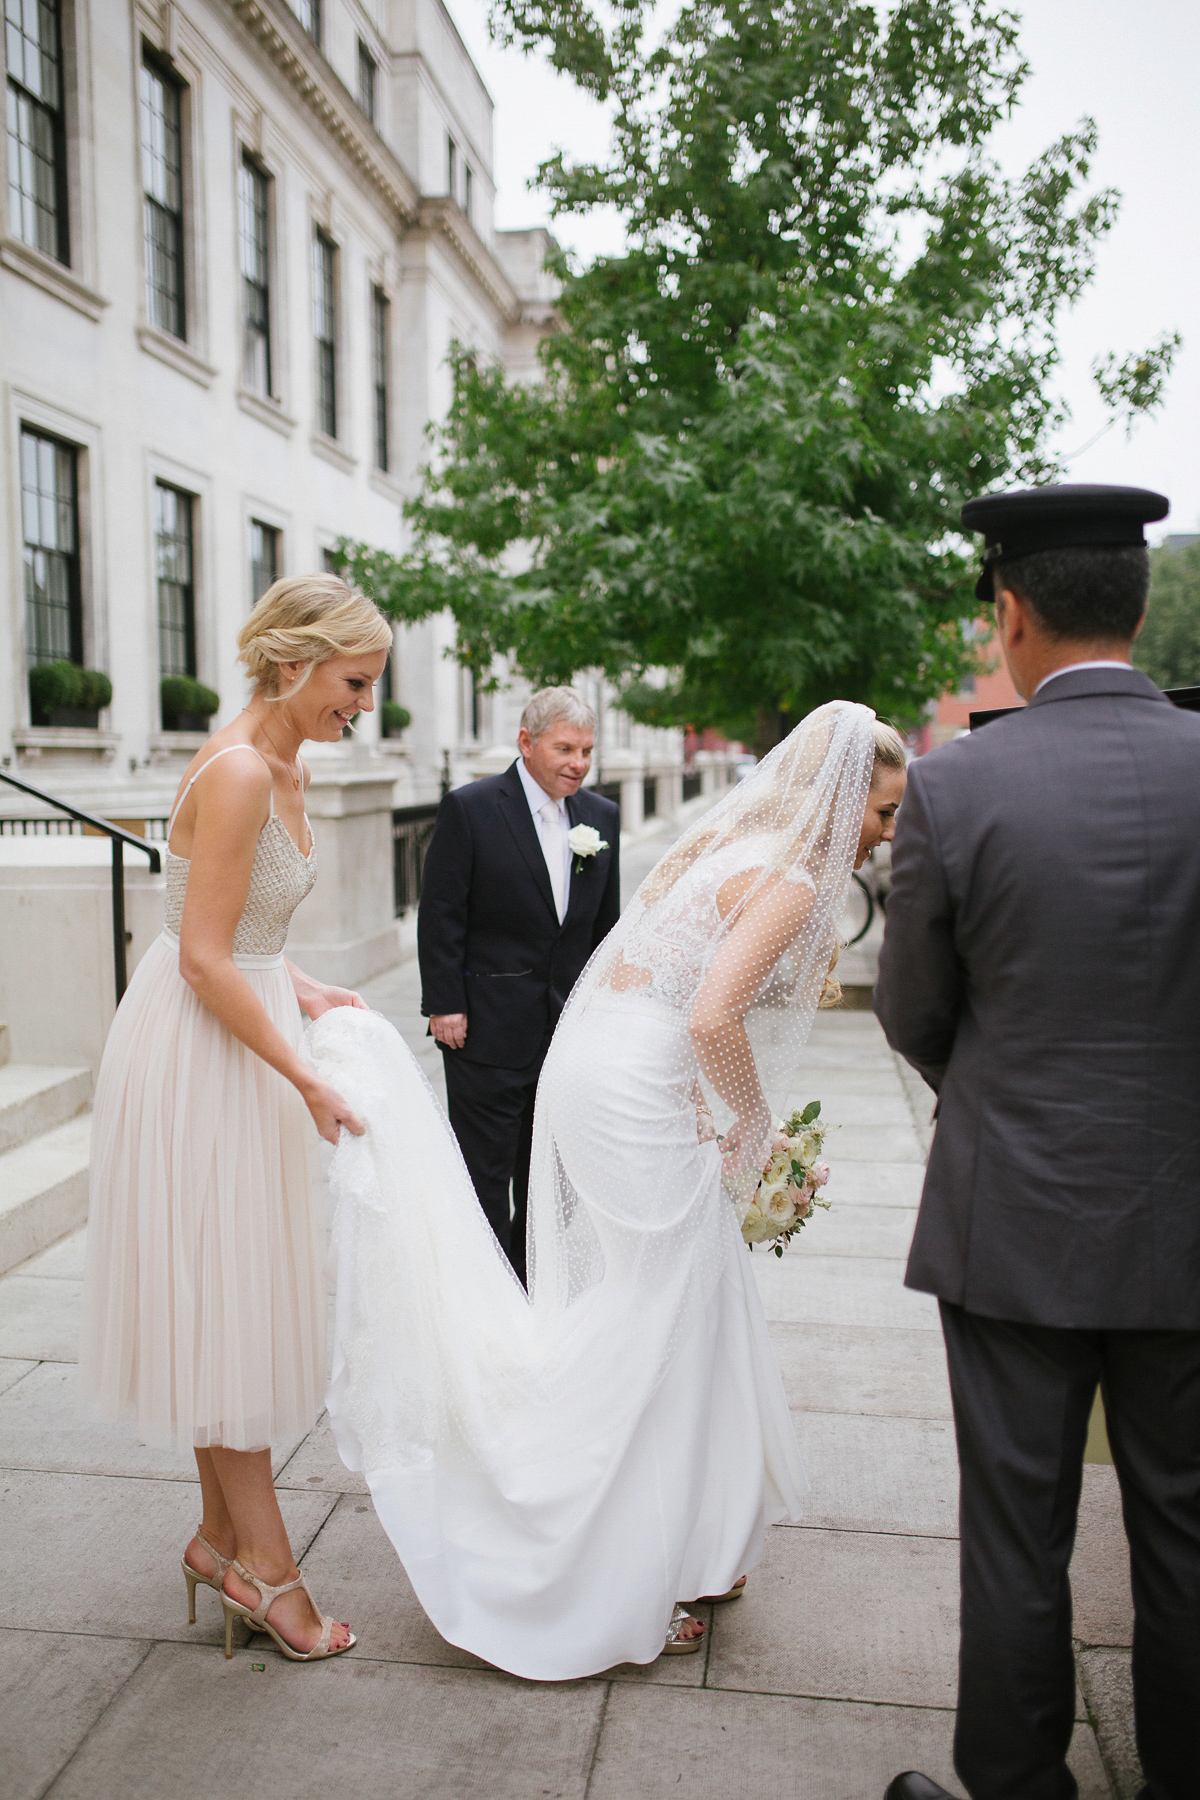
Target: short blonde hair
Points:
(308, 619)
(890, 752)
(549, 705)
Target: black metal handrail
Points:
(119, 838)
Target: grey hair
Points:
(548, 705)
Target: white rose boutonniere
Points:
(584, 841)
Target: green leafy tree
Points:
(834, 320)
(1168, 645)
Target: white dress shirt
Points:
(1106, 662)
(558, 858)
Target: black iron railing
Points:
(412, 828)
(118, 837)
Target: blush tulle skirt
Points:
(204, 1293)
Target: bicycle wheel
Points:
(860, 910)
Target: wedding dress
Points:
(556, 1471)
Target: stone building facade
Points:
(237, 241)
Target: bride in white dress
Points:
(556, 1471)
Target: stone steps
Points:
(45, 1143)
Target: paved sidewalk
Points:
(834, 1672)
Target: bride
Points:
(556, 1471)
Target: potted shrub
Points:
(187, 705)
(61, 693)
(394, 718)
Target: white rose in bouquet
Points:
(756, 1229)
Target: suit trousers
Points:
(491, 1115)
(1022, 1398)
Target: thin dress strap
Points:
(207, 765)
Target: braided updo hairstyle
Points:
(307, 619)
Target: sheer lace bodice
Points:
(280, 879)
(671, 941)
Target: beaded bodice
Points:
(279, 881)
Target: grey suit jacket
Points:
(1041, 968)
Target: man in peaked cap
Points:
(1041, 968)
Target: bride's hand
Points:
(316, 998)
(330, 1112)
(744, 1146)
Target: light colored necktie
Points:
(552, 850)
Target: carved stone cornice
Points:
(275, 27)
(444, 218)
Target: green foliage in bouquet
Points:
(64, 685)
(183, 698)
(834, 320)
(394, 718)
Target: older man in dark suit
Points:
(521, 882)
(1042, 970)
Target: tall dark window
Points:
(451, 168)
(175, 563)
(264, 558)
(325, 331)
(50, 522)
(254, 240)
(309, 14)
(468, 189)
(37, 150)
(367, 70)
(381, 314)
(162, 183)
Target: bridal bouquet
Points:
(791, 1181)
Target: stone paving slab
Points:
(53, 1688)
(315, 1464)
(190, 1725)
(100, 1554)
(822, 1077)
(863, 1368)
(843, 1615)
(803, 1289)
(760, 1747)
(61, 1262)
(1103, 1598)
(875, 1184)
(874, 1143)
(842, 1107)
(12, 1370)
(39, 1318)
(887, 1475)
(862, 1231)
(1108, 1685)
(41, 1428)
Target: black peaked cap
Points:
(1059, 516)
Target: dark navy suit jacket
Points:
(488, 937)
(1041, 968)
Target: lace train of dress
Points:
(554, 1474)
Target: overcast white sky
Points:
(1134, 68)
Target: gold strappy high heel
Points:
(192, 1576)
(256, 1617)
(681, 1646)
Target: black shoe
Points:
(912, 1786)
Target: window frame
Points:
(368, 83)
(58, 131)
(327, 397)
(153, 64)
(76, 650)
(313, 25)
(381, 379)
(468, 202)
(255, 523)
(191, 655)
(252, 167)
(451, 166)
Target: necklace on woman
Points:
(294, 770)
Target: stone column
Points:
(346, 930)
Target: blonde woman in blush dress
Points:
(204, 1298)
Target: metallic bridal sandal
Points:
(192, 1576)
(681, 1646)
(256, 1618)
